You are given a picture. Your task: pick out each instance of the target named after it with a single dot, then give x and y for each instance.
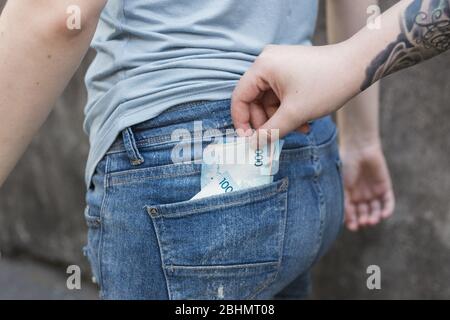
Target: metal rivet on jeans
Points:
(152, 211)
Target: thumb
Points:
(304, 128)
(282, 122)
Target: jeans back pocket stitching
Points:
(271, 280)
(139, 174)
(222, 266)
(163, 254)
(282, 231)
(281, 189)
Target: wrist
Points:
(352, 134)
(353, 65)
(356, 145)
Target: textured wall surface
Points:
(41, 204)
(413, 248)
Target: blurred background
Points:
(42, 229)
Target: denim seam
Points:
(222, 266)
(281, 250)
(100, 242)
(306, 151)
(247, 200)
(162, 255)
(139, 179)
(145, 145)
(286, 155)
(320, 195)
(167, 139)
(264, 285)
(92, 223)
(118, 174)
(341, 186)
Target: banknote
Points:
(238, 163)
(240, 159)
(218, 184)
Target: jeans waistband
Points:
(199, 118)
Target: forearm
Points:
(412, 31)
(358, 119)
(38, 56)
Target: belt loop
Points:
(131, 148)
(311, 138)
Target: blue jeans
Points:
(147, 240)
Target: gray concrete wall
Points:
(413, 248)
(42, 202)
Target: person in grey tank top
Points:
(163, 66)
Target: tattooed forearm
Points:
(425, 26)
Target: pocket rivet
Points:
(153, 211)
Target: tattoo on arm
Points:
(425, 33)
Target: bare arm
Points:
(38, 56)
(368, 189)
(422, 31)
(411, 32)
(358, 120)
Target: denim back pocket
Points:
(224, 246)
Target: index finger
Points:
(249, 89)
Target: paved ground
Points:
(28, 279)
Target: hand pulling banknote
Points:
(236, 165)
